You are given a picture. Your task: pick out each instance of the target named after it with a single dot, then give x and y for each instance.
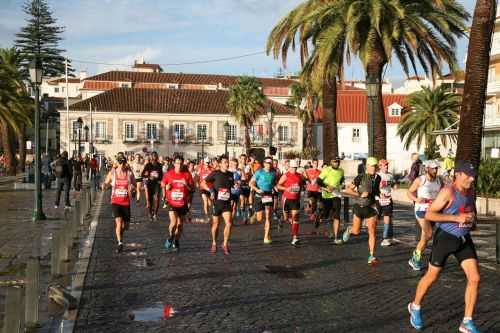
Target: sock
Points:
(415, 306)
(466, 319)
(390, 232)
(295, 229)
(418, 254)
(386, 231)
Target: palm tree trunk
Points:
(309, 134)
(9, 158)
(21, 140)
(470, 131)
(374, 70)
(247, 140)
(330, 135)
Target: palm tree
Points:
(470, 130)
(423, 32)
(245, 101)
(301, 91)
(429, 110)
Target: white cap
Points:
(206, 160)
(431, 164)
(294, 164)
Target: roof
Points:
(457, 76)
(63, 80)
(151, 66)
(353, 108)
(183, 78)
(146, 100)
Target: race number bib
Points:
(384, 201)
(121, 192)
(267, 199)
(295, 189)
(154, 174)
(177, 195)
(424, 205)
(223, 194)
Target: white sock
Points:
(415, 306)
(467, 319)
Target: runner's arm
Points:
(253, 185)
(412, 191)
(352, 188)
(107, 181)
(281, 182)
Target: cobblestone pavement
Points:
(319, 287)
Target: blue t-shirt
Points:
(235, 190)
(265, 180)
(462, 203)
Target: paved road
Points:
(324, 288)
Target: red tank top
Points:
(120, 186)
(312, 175)
(178, 194)
(203, 173)
(292, 185)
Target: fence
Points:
(23, 302)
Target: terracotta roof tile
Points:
(166, 101)
(63, 80)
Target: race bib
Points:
(223, 194)
(154, 174)
(177, 195)
(424, 205)
(384, 201)
(121, 192)
(295, 189)
(267, 199)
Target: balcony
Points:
(493, 88)
(191, 140)
(103, 139)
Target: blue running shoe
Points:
(168, 244)
(415, 318)
(346, 235)
(467, 326)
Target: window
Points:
(283, 133)
(355, 134)
(257, 132)
(491, 74)
(231, 134)
(151, 131)
(75, 130)
(100, 130)
(125, 85)
(179, 132)
(201, 132)
(62, 89)
(56, 89)
(130, 132)
(395, 112)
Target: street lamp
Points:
(226, 132)
(270, 118)
(79, 124)
(372, 86)
(35, 71)
(86, 132)
(203, 133)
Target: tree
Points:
(40, 37)
(245, 100)
(429, 110)
(303, 91)
(470, 130)
(414, 32)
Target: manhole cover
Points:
(285, 272)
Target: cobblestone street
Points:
(317, 287)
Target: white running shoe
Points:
(386, 242)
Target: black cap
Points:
(465, 167)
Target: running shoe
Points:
(168, 244)
(56, 206)
(227, 251)
(416, 318)
(268, 241)
(415, 262)
(338, 241)
(119, 248)
(213, 249)
(467, 326)
(386, 242)
(176, 245)
(155, 217)
(295, 241)
(346, 235)
(372, 260)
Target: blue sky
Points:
(173, 31)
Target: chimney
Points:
(83, 75)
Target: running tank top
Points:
(462, 203)
(119, 189)
(427, 190)
(292, 185)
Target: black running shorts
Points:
(330, 208)
(221, 206)
(444, 244)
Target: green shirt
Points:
(331, 177)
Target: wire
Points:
(175, 64)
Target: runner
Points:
(122, 182)
(235, 190)
(223, 182)
(246, 175)
(277, 194)
(423, 191)
(313, 191)
(453, 211)
(137, 168)
(385, 205)
(203, 171)
(331, 180)
(153, 174)
(192, 172)
(177, 184)
(290, 183)
(367, 187)
(263, 183)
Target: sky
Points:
(175, 31)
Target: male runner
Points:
(236, 189)
(137, 167)
(365, 186)
(263, 183)
(177, 184)
(222, 181)
(203, 171)
(453, 211)
(313, 190)
(423, 191)
(331, 180)
(122, 181)
(153, 174)
(246, 175)
(385, 205)
(291, 183)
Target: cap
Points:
(383, 162)
(371, 161)
(206, 160)
(294, 164)
(431, 164)
(336, 159)
(465, 167)
(268, 160)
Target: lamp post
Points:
(79, 124)
(226, 131)
(270, 118)
(372, 92)
(35, 72)
(203, 133)
(86, 132)
(47, 136)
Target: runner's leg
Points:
(118, 229)
(267, 226)
(425, 283)
(227, 227)
(471, 270)
(215, 227)
(371, 224)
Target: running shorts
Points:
(313, 195)
(204, 192)
(444, 244)
(121, 211)
(330, 207)
(364, 212)
(259, 206)
(181, 211)
(385, 210)
(289, 205)
(221, 206)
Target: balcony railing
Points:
(103, 139)
(189, 140)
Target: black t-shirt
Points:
(222, 182)
(153, 172)
(368, 183)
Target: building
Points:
(172, 121)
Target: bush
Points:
(292, 154)
(310, 153)
(488, 181)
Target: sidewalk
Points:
(317, 287)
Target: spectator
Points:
(362, 167)
(94, 172)
(63, 171)
(77, 164)
(416, 167)
(46, 171)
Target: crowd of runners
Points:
(249, 191)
